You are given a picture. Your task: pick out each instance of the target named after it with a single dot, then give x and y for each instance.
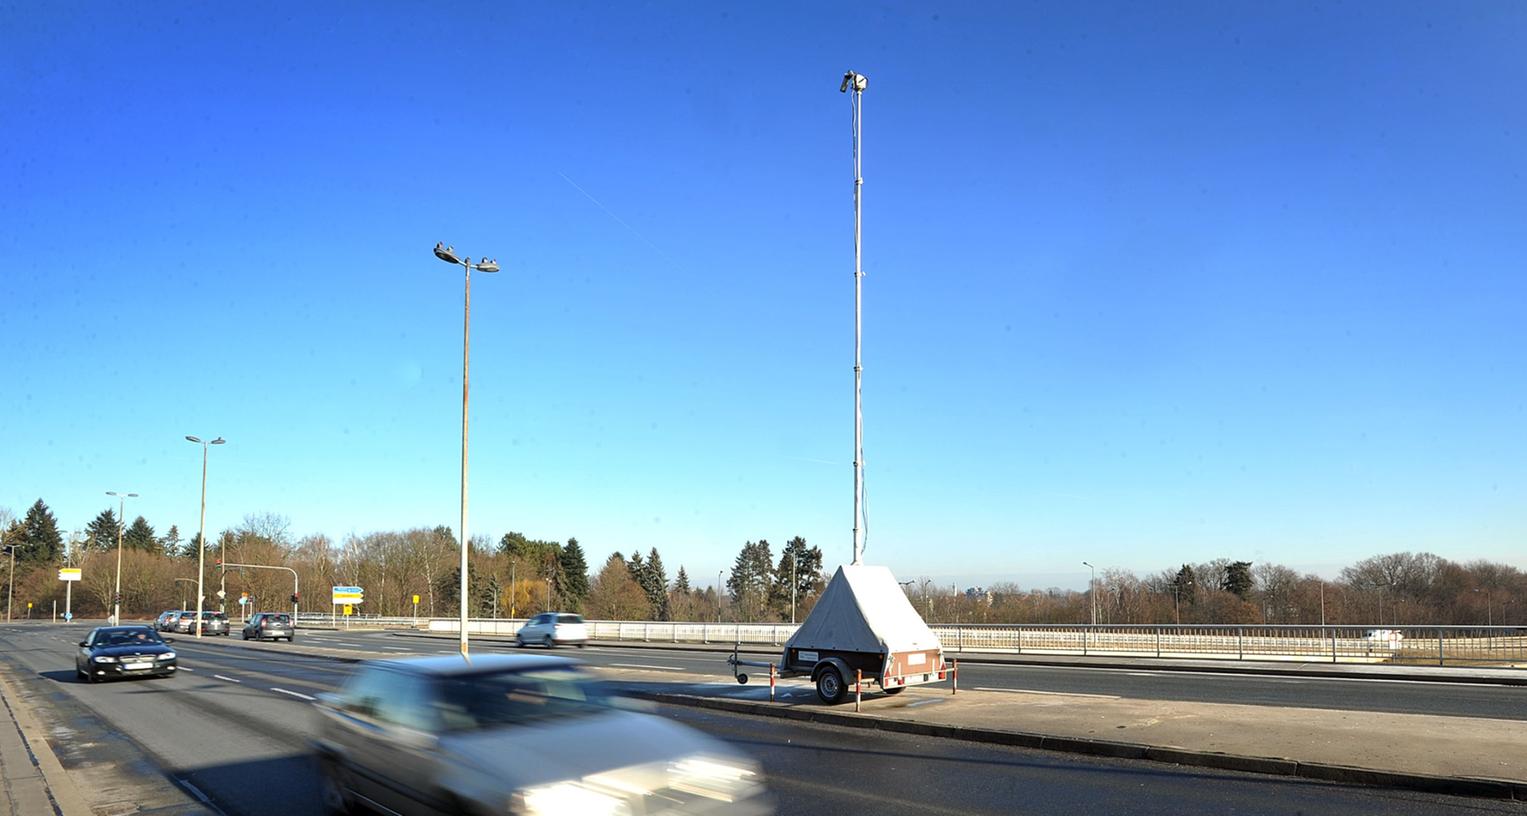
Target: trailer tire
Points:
(742, 679)
(830, 686)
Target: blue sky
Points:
(1146, 283)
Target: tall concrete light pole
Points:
(201, 533)
(1092, 591)
(448, 254)
(854, 84)
(116, 600)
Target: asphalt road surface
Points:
(1207, 686)
(234, 728)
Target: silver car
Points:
(515, 734)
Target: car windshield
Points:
(126, 637)
(213, 616)
(479, 701)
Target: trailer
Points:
(863, 626)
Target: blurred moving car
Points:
(270, 626)
(166, 620)
(515, 734)
(554, 628)
(123, 651)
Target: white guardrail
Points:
(1435, 645)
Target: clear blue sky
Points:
(1146, 283)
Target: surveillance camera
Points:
(846, 79)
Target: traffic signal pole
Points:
(296, 582)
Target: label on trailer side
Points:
(917, 659)
(807, 657)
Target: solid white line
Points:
(229, 679)
(1053, 693)
(645, 666)
(397, 649)
(1230, 675)
(293, 693)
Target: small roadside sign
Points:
(348, 595)
(348, 610)
(416, 600)
(69, 574)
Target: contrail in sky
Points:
(617, 218)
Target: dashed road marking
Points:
(645, 666)
(229, 679)
(293, 693)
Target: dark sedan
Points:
(123, 651)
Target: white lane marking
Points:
(1143, 674)
(229, 679)
(397, 649)
(1229, 675)
(645, 666)
(293, 693)
(186, 668)
(1053, 693)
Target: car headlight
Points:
(167, 656)
(104, 659)
(713, 778)
(569, 797)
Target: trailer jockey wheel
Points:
(742, 679)
(830, 686)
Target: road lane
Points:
(244, 747)
(1206, 686)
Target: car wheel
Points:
(548, 642)
(334, 789)
(519, 641)
(583, 645)
(830, 686)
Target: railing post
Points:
(1020, 640)
(1333, 644)
(1084, 640)
(1440, 661)
(673, 629)
(705, 632)
(1158, 642)
(1240, 648)
(960, 635)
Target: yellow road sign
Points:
(416, 600)
(69, 573)
(348, 609)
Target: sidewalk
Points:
(33, 781)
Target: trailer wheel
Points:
(830, 686)
(742, 679)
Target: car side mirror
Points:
(84, 643)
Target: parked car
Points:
(212, 623)
(520, 734)
(554, 628)
(123, 651)
(270, 626)
(166, 620)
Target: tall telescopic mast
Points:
(855, 83)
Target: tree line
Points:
(518, 575)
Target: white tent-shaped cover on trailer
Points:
(863, 610)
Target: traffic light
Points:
(294, 597)
(117, 598)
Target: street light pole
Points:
(856, 82)
(718, 595)
(448, 254)
(1092, 591)
(11, 593)
(116, 609)
(201, 532)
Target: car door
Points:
(391, 725)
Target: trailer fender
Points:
(833, 662)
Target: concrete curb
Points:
(1427, 783)
(1293, 669)
(56, 781)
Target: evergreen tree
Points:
(654, 582)
(807, 574)
(40, 541)
(1184, 584)
(1238, 579)
(752, 577)
(140, 536)
(101, 532)
(681, 582)
(575, 574)
(192, 548)
(490, 593)
(170, 543)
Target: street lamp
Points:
(718, 595)
(116, 609)
(11, 551)
(856, 83)
(1092, 591)
(448, 254)
(1177, 599)
(201, 533)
